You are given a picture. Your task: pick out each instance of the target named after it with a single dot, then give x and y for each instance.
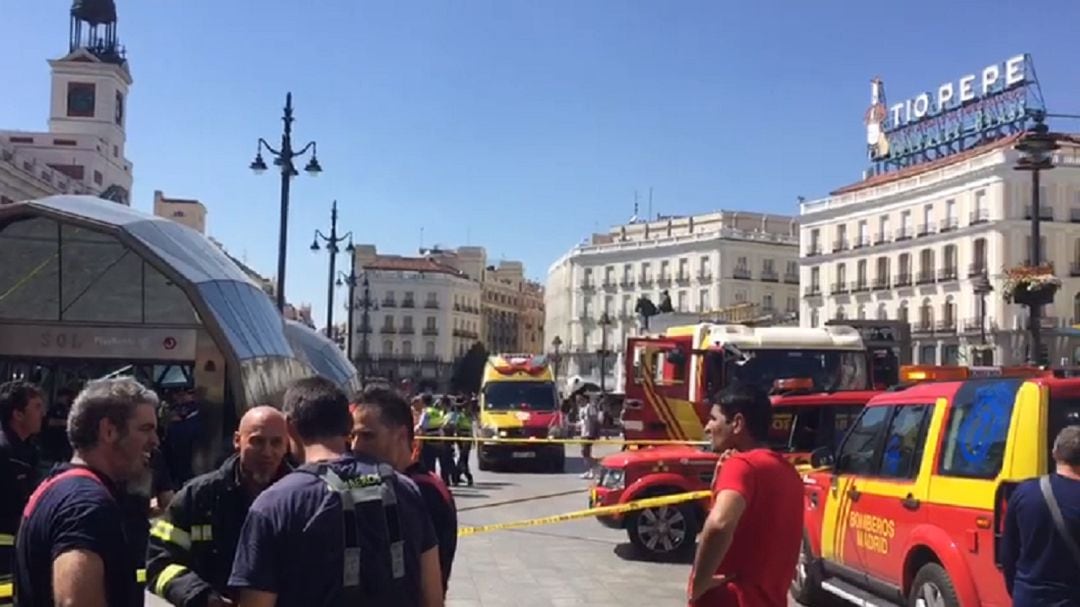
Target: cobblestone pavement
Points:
(570, 564)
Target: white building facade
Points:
(913, 245)
(83, 150)
(705, 263)
(421, 316)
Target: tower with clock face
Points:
(89, 91)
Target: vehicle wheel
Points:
(806, 585)
(932, 588)
(483, 463)
(663, 533)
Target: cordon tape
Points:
(557, 441)
(641, 504)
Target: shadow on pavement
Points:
(469, 495)
(627, 551)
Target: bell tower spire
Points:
(93, 27)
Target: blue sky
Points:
(519, 125)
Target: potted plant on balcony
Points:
(1031, 285)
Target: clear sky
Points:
(519, 125)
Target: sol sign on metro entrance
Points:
(59, 341)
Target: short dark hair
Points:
(15, 396)
(1067, 446)
(751, 402)
(391, 407)
(111, 399)
(318, 409)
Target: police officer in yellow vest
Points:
(460, 422)
(432, 423)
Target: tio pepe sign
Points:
(993, 79)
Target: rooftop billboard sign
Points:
(958, 115)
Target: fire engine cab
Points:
(669, 376)
(909, 506)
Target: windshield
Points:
(520, 395)
(805, 428)
(830, 370)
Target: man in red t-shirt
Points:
(749, 546)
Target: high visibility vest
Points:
(464, 424)
(434, 419)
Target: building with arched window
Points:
(90, 288)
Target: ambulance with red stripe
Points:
(909, 508)
(519, 400)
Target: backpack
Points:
(372, 528)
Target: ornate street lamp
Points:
(283, 159)
(555, 345)
(332, 249)
(982, 287)
(604, 322)
(1036, 154)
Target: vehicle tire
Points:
(932, 588)
(483, 463)
(806, 585)
(664, 533)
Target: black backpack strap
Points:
(1059, 520)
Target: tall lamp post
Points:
(332, 249)
(367, 305)
(604, 322)
(1036, 154)
(555, 345)
(283, 158)
(982, 287)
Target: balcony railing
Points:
(949, 224)
(839, 288)
(840, 244)
(587, 285)
(979, 216)
(627, 283)
(947, 274)
(389, 303)
(408, 303)
(903, 280)
(769, 276)
(431, 304)
(704, 276)
(881, 238)
(925, 229)
(881, 283)
(409, 330)
(946, 326)
(387, 330)
(1045, 212)
(976, 269)
(860, 242)
(682, 279)
(791, 278)
(814, 250)
(609, 285)
(743, 273)
(905, 233)
(812, 291)
(860, 286)
(431, 331)
(923, 327)
(925, 277)
(664, 281)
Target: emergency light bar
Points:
(910, 374)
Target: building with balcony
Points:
(422, 314)
(914, 245)
(185, 211)
(703, 262)
(83, 150)
(531, 318)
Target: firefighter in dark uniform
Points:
(22, 410)
(192, 546)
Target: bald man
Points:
(192, 546)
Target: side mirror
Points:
(822, 457)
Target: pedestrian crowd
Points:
(333, 501)
(322, 502)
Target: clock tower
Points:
(90, 87)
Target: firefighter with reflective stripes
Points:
(192, 545)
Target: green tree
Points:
(469, 369)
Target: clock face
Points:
(80, 99)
